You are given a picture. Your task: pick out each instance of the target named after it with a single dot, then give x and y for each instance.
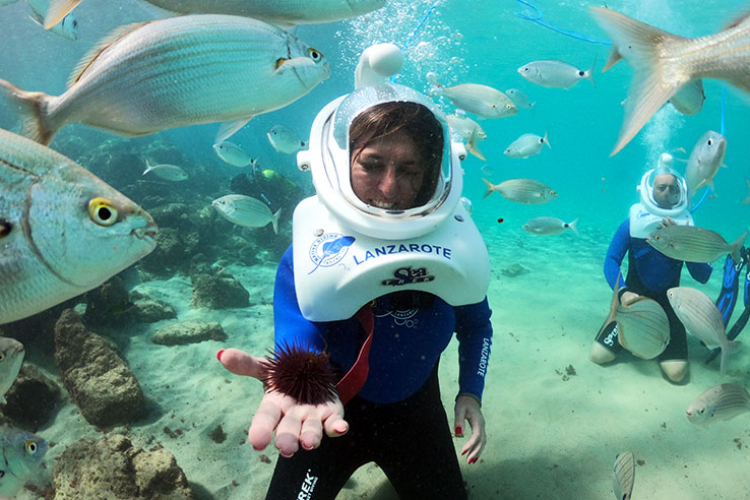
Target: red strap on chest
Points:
(351, 383)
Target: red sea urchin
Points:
(302, 374)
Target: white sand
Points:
(548, 437)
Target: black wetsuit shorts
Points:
(410, 440)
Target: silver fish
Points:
(721, 402)
(66, 28)
(477, 99)
(623, 475)
(702, 319)
(281, 12)
(175, 72)
(63, 231)
(663, 63)
(554, 73)
(284, 140)
(166, 171)
(642, 324)
(519, 98)
(694, 244)
(705, 159)
(246, 211)
(11, 357)
(468, 131)
(21, 453)
(233, 154)
(527, 191)
(527, 145)
(549, 225)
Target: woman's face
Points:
(666, 190)
(388, 172)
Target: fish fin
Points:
(283, 64)
(275, 221)
(149, 168)
(650, 88)
(614, 302)
(572, 226)
(228, 129)
(99, 48)
(737, 248)
(738, 20)
(589, 73)
(36, 18)
(32, 110)
(472, 146)
(490, 188)
(545, 140)
(613, 58)
(57, 10)
(732, 346)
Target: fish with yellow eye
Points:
(63, 231)
(21, 453)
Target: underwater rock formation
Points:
(147, 310)
(98, 380)
(32, 400)
(188, 332)
(214, 287)
(113, 468)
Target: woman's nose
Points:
(387, 183)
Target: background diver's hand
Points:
(468, 408)
(295, 424)
(628, 297)
(666, 222)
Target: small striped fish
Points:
(721, 402)
(694, 244)
(522, 191)
(623, 475)
(702, 319)
(246, 211)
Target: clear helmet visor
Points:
(397, 159)
(664, 191)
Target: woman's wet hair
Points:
(417, 121)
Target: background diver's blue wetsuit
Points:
(397, 420)
(650, 273)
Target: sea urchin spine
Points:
(302, 374)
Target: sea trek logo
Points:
(328, 249)
(407, 275)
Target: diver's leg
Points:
(673, 361)
(605, 346)
(419, 457)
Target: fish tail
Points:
(589, 74)
(57, 10)
(32, 107)
(737, 248)
(572, 226)
(726, 350)
(651, 86)
(490, 187)
(149, 168)
(545, 140)
(615, 301)
(435, 87)
(275, 221)
(472, 145)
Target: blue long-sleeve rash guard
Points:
(656, 271)
(406, 344)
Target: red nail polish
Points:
(218, 354)
(464, 452)
(459, 431)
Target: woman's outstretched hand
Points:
(295, 424)
(468, 408)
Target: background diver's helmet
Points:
(646, 189)
(329, 157)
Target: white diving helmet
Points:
(328, 158)
(348, 252)
(646, 215)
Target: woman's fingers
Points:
(241, 363)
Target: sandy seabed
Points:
(555, 421)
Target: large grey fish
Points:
(20, 453)
(175, 72)
(705, 159)
(63, 231)
(282, 12)
(694, 244)
(623, 475)
(527, 191)
(642, 324)
(721, 402)
(702, 319)
(11, 357)
(663, 63)
(246, 211)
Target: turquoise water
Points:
(480, 42)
